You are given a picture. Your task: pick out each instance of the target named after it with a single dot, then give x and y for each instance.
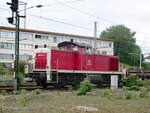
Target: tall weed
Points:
(86, 86)
(21, 99)
(132, 82)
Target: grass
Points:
(64, 102)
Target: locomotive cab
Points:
(74, 46)
(68, 46)
(82, 50)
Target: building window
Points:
(26, 46)
(37, 36)
(104, 52)
(26, 36)
(84, 41)
(38, 46)
(44, 37)
(6, 45)
(96, 44)
(7, 34)
(9, 45)
(75, 40)
(60, 39)
(110, 44)
(92, 43)
(54, 39)
(30, 46)
(25, 57)
(66, 39)
(2, 45)
(21, 46)
(6, 56)
(110, 53)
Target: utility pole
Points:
(140, 60)
(16, 79)
(14, 8)
(95, 34)
(25, 15)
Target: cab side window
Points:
(63, 48)
(83, 51)
(88, 50)
(74, 47)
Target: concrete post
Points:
(124, 73)
(114, 82)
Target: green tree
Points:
(125, 43)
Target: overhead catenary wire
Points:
(65, 2)
(92, 15)
(52, 4)
(87, 13)
(83, 12)
(54, 20)
(57, 21)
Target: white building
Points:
(29, 39)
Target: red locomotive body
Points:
(71, 63)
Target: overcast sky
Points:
(79, 16)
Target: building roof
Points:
(54, 33)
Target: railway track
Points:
(142, 73)
(26, 87)
(31, 86)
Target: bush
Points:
(107, 94)
(70, 89)
(143, 93)
(128, 96)
(21, 67)
(86, 86)
(125, 88)
(134, 88)
(146, 84)
(148, 88)
(132, 82)
(37, 91)
(4, 92)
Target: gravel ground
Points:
(56, 101)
